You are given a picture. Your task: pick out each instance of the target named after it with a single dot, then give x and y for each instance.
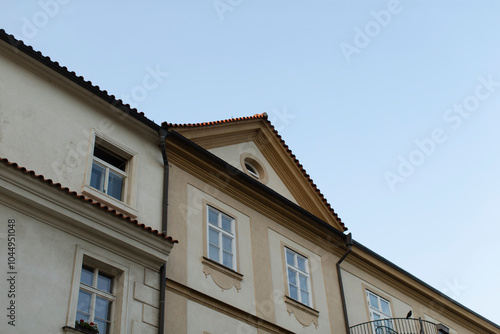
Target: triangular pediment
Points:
(252, 145)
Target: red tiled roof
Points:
(231, 120)
(85, 199)
(264, 117)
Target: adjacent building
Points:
(207, 228)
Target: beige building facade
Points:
(207, 228)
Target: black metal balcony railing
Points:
(395, 326)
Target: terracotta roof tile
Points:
(264, 117)
(85, 199)
(231, 120)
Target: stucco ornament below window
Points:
(304, 314)
(225, 278)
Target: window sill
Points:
(110, 201)
(68, 329)
(303, 313)
(224, 277)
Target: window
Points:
(95, 298)
(380, 309)
(109, 172)
(297, 270)
(253, 167)
(221, 242)
(251, 170)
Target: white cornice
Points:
(63, 211)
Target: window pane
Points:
(303, 282)
(104, 283)
(213, 217)
(115, 185)
(84, 302)
(213, 237)
(301, 263)
(97, 176)
(251, 170)
(304, 297)
(82, 316)
(110, 157)
(102, 308)
(226, 224)
(227, 259)
(289, 257)
(87, 275)
(375, 316)
(385, 307)
(213, 253)
(102, 326)
(292, 278)
(374, 301)
(293, 292)
(227, 243)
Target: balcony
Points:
(399, 326)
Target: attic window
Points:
(251, 170)
(109, 172)
(253, 167)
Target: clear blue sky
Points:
(391, 106)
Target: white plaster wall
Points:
(242, 298)
(204, 320)
(232, 153)
(46, 129)
(45, 262)
(283, 318)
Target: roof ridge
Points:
(83, 198)
(223, 121)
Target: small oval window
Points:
(251, 170)
(253, 167)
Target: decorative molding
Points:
(274, 210)
(262, 325)
(224, 277)
(304, 314)
(258, 131)
(81, 219)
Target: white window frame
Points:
(121, 275)
(127, 204)
(95, 292)
(378, 311)
(108, 167)
(221, 232)
(111, 168)
(297, 273)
